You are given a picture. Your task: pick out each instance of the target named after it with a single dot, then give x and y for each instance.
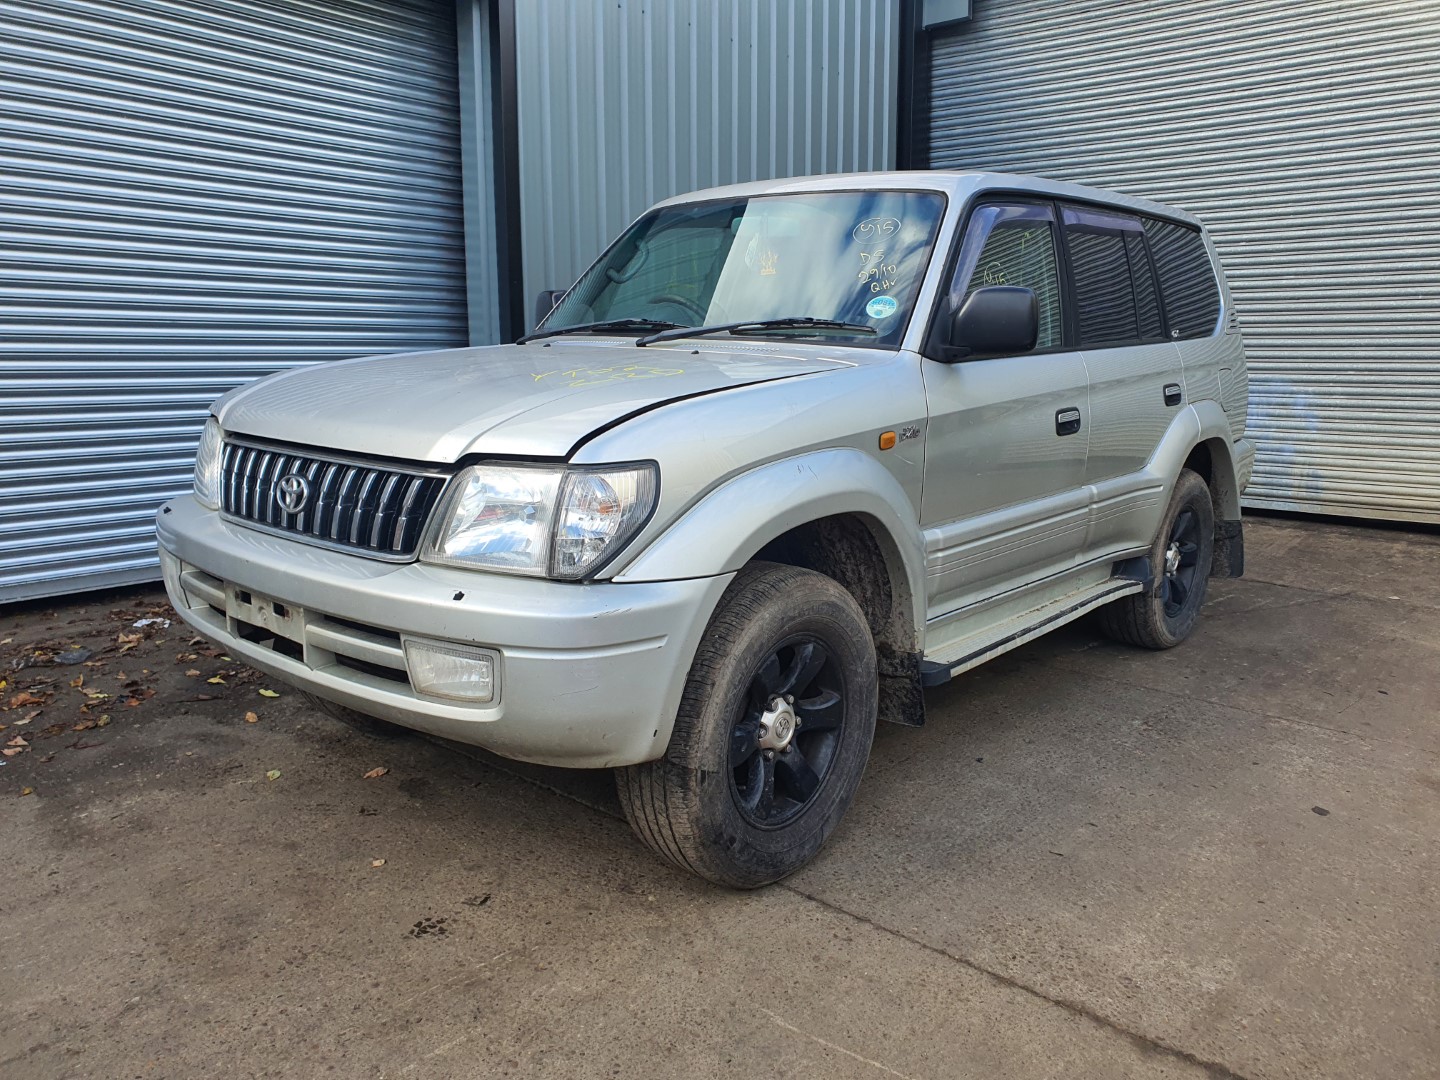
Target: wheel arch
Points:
(836, 511)
(1201, 440)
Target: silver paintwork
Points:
(988, 519)
(1306, 138)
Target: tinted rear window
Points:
(1147, 305)
(1187, 283)
(1104, 300)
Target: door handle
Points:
(1067, 421)
(1172, 393)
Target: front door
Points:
(1004, 501)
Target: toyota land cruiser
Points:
(787, 454)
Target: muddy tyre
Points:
(1164, 615)
(371, 726)
(772, 734)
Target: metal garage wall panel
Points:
(194, 193)
(1307, 136)
(627, 102)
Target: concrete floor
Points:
(1093, 862)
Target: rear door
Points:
(1136, 387)
(1004, 502)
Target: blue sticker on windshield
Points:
(881, 307)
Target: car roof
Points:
(958, 185)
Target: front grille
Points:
(374, 509)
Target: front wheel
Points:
(1163, 616)
(773, 732)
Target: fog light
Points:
(450, 671)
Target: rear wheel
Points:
(371, 726)
(1164, 615)
(772, 735)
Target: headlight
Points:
(207, 465)
(550, 521)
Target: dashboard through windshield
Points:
(843, 257)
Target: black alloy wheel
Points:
(1181, 562)
(771, 736)
(784, 739)
(1163, 615)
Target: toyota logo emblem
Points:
(292, 492)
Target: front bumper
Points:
(588, 676)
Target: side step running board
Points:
(972, 651)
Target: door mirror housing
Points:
(998, 320)
(545, 303)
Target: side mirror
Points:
(998, 320)
(545, 303)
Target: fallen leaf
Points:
(31, 791)
(84, 725)
(217, 680)
(273, 774)
(251, 718)
(11, 751)
(375, 774)
(186, 657)
(193, 673)
(18, 740)
(230, 659)
(78, 681)
(268, 693)
(373, 862)
(103, 720)
(96, 695)
(25, 697)
(130, 639)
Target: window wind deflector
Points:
(619, 325)
(755, 326)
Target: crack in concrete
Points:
(1144, 1043)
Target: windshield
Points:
(852, 257)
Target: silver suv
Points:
(787, 454)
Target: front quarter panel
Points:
(831, 422)
(724, 530)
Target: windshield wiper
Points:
(750, 326)
(600, 327)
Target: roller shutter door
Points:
(1305, 136)
(194, 193)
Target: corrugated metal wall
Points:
(1307, 136)
(628, 102)
(195, 193)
